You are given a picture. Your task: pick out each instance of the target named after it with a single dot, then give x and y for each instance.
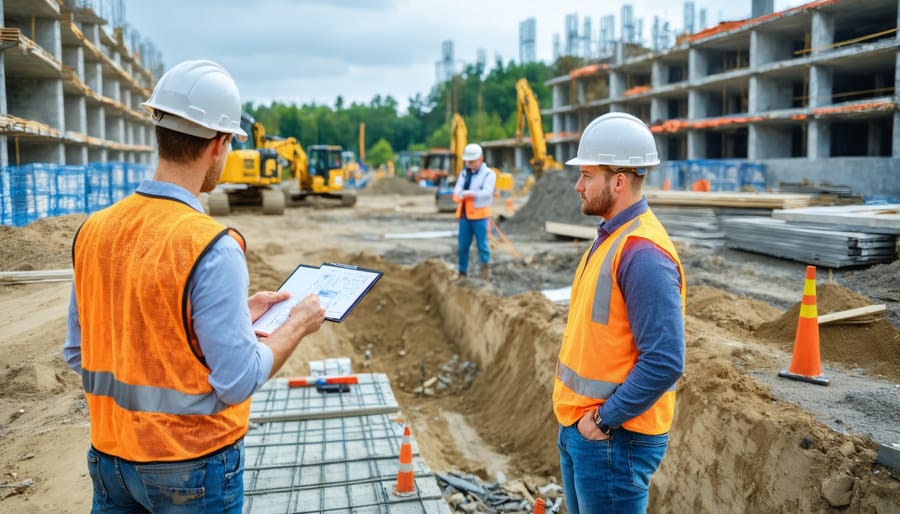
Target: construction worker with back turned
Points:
(160, 326)
(474, 194)
(623, 348)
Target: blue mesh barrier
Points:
(34, 191)
(722, 174)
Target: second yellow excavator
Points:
(528, 109)
(273, 171)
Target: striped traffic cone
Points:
(539, 506)
(805, 364)
(406, 484)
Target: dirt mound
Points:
(393, 186)
(553, 198)
(44, 244)
(728, 310)
(873, 346)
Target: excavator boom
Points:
(530, 111)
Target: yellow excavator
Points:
(274, 171)
(528, 109)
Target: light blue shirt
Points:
(237, 361)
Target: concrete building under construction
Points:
(70, 90)
(809, 92)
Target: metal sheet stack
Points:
(835, 237)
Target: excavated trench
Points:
(734, 446)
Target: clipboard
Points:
(340, 288)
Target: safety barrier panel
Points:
(34, 191)
(711, 175)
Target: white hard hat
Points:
(198, 98)
(617, 139)
(472, 152)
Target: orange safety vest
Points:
(472, 212)
(598, 349)
(145, 380)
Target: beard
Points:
(211, 178)
(598, 205)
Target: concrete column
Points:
(579, 92)
(696, 145)
(73, 56)
(696, 105)
(659, 74)
(556, 121)
(820, 86)
(662, 147)
(48, 35)
(766, 48)
(822, 33)
(76, 114)
(895, 140)
(519, 159)
(767, 95)
(698, 65)
(93, 76)
(658, 110)
(616, 84)
(4, 156)
(818, 139)
(768, 142)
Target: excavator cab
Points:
(326, 169)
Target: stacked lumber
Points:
(730, 199)
(818, 245)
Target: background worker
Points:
(474, 194)
(160, 326)
(623, 348)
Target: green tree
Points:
(381, 153)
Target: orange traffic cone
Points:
(510, 207)
(539, 506)
(805, 364)
(405, 482)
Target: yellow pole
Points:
(362, 142)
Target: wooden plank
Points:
(25, 277)
(851, 314)
(729, 199)
(576, 231)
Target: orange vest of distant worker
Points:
(473, 212)
(598, 349)
(144, 375)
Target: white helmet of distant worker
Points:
(619, 140)
(199, 98)
(471, 152)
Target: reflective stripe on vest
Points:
(603, 292)
(138, 398)
(585, 386)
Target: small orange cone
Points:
(405, 482)
(510, 207)
(539, 506)
(805, 364)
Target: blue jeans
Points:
(214, 483)
(609, 477)
(478, 228)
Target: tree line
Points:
(486, 100)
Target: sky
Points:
(312, 51)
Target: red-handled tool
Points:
(320, 381)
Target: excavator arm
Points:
(459, 134)
(530, 111)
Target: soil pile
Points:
(873, 346)
(552, 198)
(392, 186)
(42, 245)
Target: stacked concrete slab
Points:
(70, 90)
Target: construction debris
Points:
(466, 493)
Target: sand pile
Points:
(393, 186)
(873, 346)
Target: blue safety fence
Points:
(721, 174)
(34, 191)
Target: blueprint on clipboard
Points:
(339, 286)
